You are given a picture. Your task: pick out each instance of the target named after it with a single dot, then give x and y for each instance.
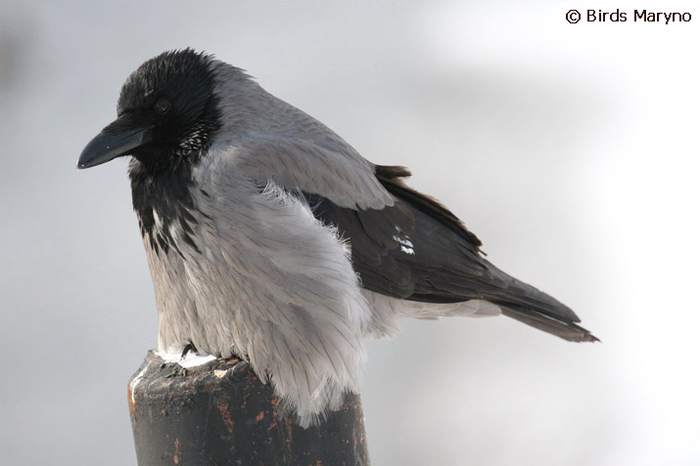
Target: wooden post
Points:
(220, 413)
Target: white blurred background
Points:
(571, 150)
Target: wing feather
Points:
(417, 250)
(340, 174)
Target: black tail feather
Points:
(564, 329)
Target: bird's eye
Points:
(162, 106)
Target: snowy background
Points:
(571, 150)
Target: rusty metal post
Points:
(220, 413)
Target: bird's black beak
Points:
(119, 138)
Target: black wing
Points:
(420, 251)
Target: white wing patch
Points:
(404, 242)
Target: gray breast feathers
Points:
(266, 281)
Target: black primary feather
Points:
(420, 251)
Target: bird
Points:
(270, 238)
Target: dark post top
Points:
(220, 413)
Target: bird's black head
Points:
(167, 112)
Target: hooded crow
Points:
(270, 238)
